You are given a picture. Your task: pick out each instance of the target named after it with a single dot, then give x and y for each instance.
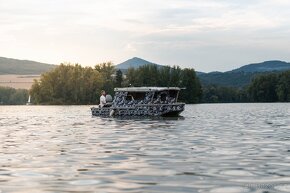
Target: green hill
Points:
(267, 66)
(242, 76)
(15, 66)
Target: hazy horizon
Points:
(206, 35)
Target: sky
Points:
(208, 35)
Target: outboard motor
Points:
(109, 98)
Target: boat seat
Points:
(108, 105)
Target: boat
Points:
(29, 101)
(142, 101)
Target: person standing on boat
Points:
(103, 98)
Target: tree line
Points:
(74, 84)
(274, 87)
(270, 87)
(152, 75)
(11, 96)
(70, 84)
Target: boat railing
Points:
(145, 105)
(165, 104)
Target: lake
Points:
(213, 148)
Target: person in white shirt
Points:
(102, 98)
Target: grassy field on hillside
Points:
(17, 81)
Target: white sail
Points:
(29, 101)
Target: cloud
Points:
(190, 30)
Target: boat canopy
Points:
(145, 89)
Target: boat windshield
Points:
(132, 98)
(136, 96)
(166, 96)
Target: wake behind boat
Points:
(142, 101)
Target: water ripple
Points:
(212, 148)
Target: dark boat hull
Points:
(140, 110)
(172, 114)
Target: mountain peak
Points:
(136, 58)
(134, 62)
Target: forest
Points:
(70, 84)
(73, 84)
(267, 87)
(273, 87)
(11, 96)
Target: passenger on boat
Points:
(103, 99)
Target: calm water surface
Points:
(213, 148)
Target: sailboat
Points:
(29, 101)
